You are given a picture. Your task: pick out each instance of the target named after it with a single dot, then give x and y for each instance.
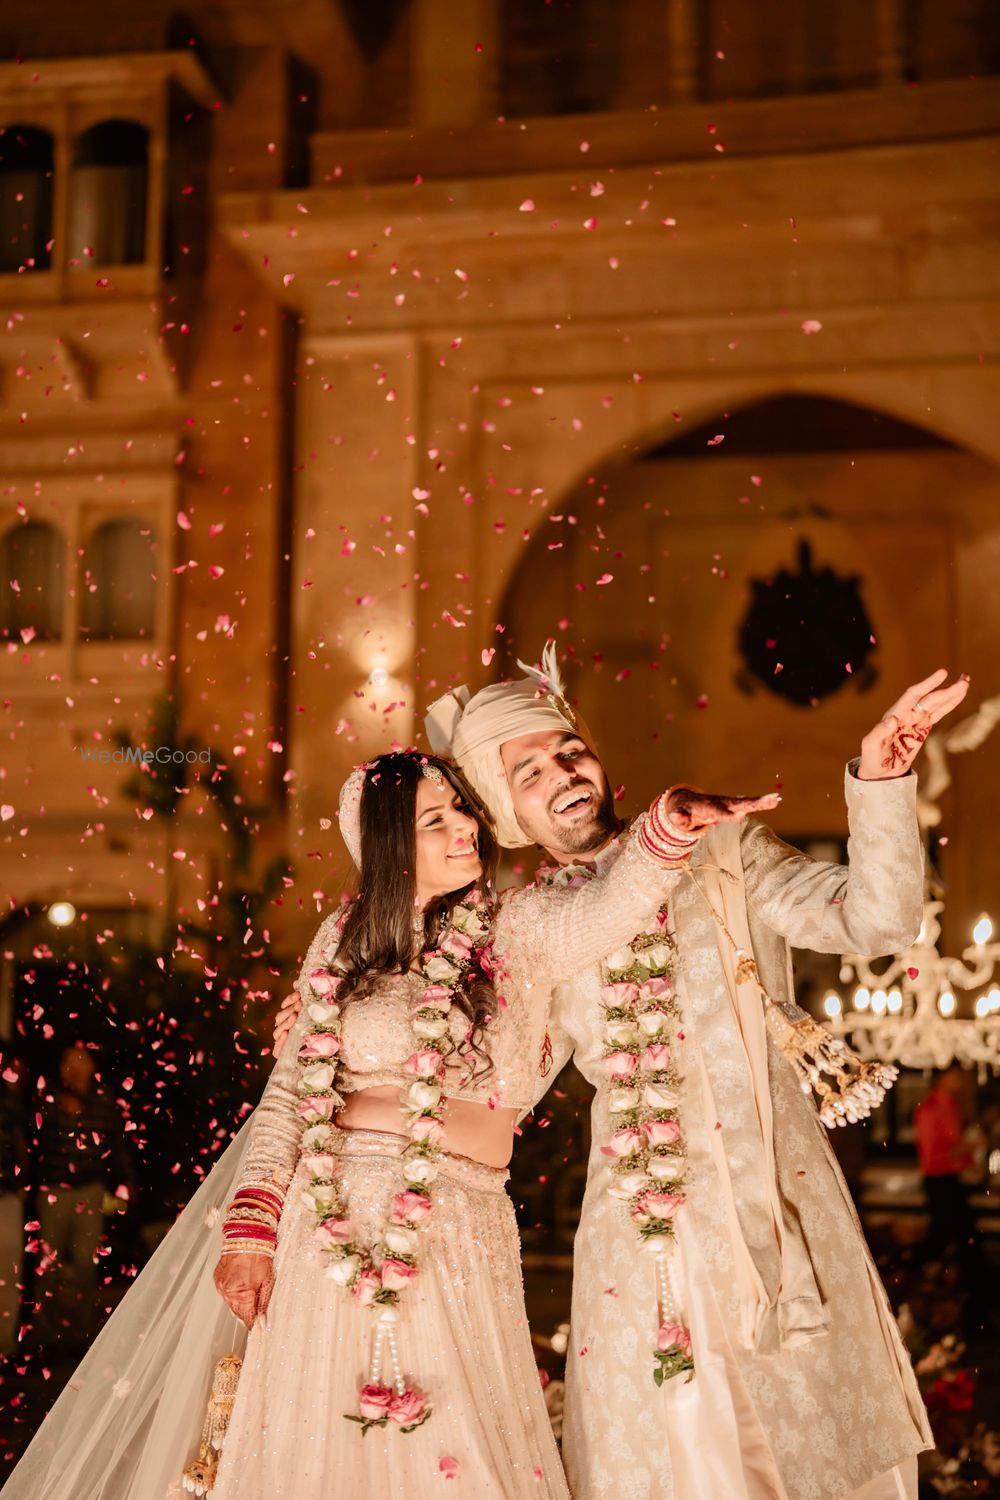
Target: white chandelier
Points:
(909, 1012)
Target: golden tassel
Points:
(199, 1476)
(858, 1087)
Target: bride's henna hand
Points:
(692, 811)
(245, 1283)
(890, 749)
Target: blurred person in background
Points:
(82, 1160)
(13, 1179)
(948, 1146)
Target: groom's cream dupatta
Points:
(783, 1279)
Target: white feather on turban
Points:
(472, 730)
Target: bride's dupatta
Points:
(131, 1415)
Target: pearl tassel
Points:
(385, 1334)
(668, 1307)
(375, 1374)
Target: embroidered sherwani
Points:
(802, 1391)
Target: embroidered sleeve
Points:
(871, 905)
(551, 933)
(251, 1224)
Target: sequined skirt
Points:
(463, 1340)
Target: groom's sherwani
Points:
(803, 1389)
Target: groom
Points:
(801, 1388)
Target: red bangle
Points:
(240, 1230)
(660, 841)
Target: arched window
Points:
(26, 173)
(108, 194)
(118, 593)
(31, 582)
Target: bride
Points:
(358, 1226)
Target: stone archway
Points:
(644, 571)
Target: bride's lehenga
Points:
(130, 1418)
(462, 1332)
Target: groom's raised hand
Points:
(890, 749)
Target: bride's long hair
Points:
(380, 936)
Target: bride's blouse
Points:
(541, 935)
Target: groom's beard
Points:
(585, 834)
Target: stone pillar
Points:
(353, 604)
(456, 61)
(889, 41)
(682, 50)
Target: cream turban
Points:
(472, 730)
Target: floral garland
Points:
(376, 1275)
(641, 1016)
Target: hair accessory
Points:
(349, 812)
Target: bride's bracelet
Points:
(251, 1222)
(659, 838)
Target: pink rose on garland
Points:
(374, 1402)
(335, 1232)
(674, 1335)
(322, 982)
(456, 943)
(662, 1132)
(663, 1205)
(657, 1058)
(320, 1044)
(397, 1274)
(623, 1143)
(620, 1064)
(657, 986)
(407, 1409)
(619, 996)
(319, 1105)
(426, 1128)
(425, 1063)
(436, 997)
(365, 1288)
(410, 1207)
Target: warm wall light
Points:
(946, 1003)
(831, 1004)
(983, 931)
(61, 913)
